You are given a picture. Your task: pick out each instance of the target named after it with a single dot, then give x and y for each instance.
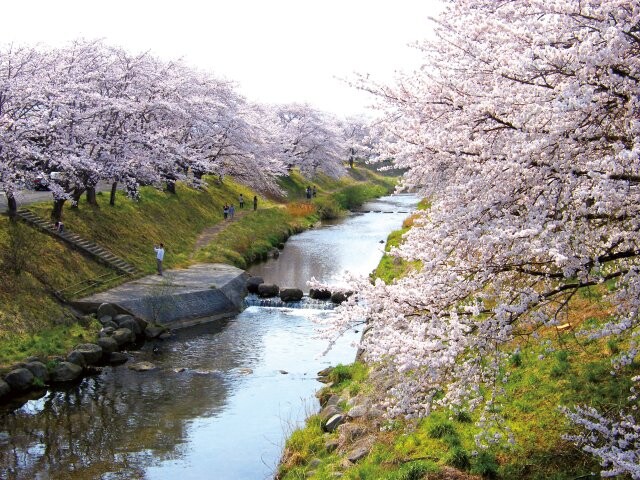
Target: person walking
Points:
(225, 211)
(255, 202)
(241, 201)
(232, 211)
(159, 249)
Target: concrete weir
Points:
(179, 298)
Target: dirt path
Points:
(209, 233)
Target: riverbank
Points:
(33, 322)
(349, 437)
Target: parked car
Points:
(41, 182)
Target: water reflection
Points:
(330, 251)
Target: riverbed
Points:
(224, 396)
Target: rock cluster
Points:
(258, 286)
(117, 333)
(350, 425)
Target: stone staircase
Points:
(76, 241)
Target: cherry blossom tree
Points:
(522, 128)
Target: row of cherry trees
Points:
(523, 127)
(93, 112)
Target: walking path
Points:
(209, 233)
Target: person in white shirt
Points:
(159, 249)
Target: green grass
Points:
(34, 265)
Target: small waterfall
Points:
(253, 300)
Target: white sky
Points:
(277, 50)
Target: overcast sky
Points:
(277, 50)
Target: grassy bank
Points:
(34, 265)
(574, 371)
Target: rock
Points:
(349, 432)
(92, 353)
(357, 411)
(19, 379)
(142, 322)
(334, 422)
(245, 371)
(110, 324)
(105, 318)
(5, 389)
(65, 372)
(39, 370)
(123, 336)
(77, 358)
(319, 294)
(153, 331)
(325, 372)
(333, 400)
(121, 317)
(327, 412)
(275, 253)
(266, 290)
(132, 325)
(280, 246)
(315, 463)
(291, 294)
(338, 297)
(117, 358)
(106, 309)
(331, 444)
(283, 372)
(107, 331)
(358, 453)
(142, 366)
(108, 345)
(165, 335)
(253, 283)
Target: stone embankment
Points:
(119, 332)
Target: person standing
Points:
(241, 201)
(255, 202)
(225, 211)
(232, 211)
(159, 249)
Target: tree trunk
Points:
(12, 205)
(75, 195)
(112, 198)
(56, 213)
(91, 196)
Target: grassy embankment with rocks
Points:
(349, 438)
(33, 265)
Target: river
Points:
(225, 395)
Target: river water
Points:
(225, 395)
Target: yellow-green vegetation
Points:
(33, 265)
(566, 371)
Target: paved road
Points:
(26, 197)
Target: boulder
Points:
(142, 322)
(319, 294)
(331, 444)
(77, 358)
(19, 379)
(327, 412)
(338, 297)
(132, 325)
(142, 366)
(117, 358)
(107, 331)
(106, 309)
(5, 389)
(105, 318)
(66, 372)
(290, 294)
(334, 422)
(153, 331)
(275, 253)
(108, 345)
(357, 411)
(39, 370)
(252, 284)
(266, 290)
(121, 318)
(122, 336)
(92, 353)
